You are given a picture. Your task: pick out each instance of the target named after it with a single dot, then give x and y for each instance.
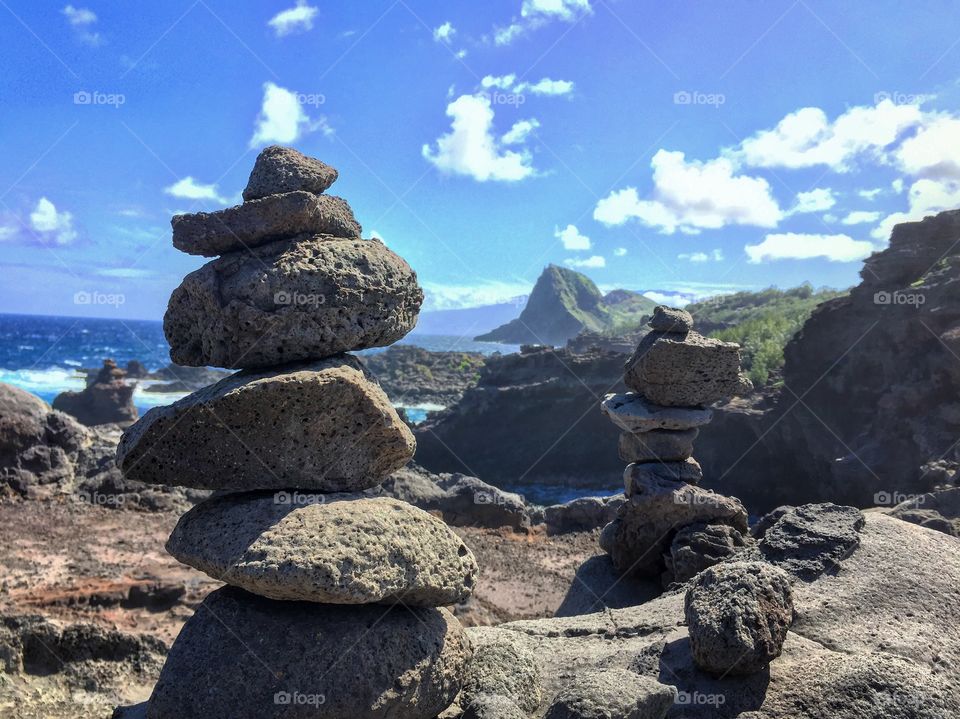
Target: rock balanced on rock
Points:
(673, 374)
(334, 604)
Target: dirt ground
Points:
(75, 562)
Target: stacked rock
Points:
(669, 525)
(334, 604)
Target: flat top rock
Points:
(632, 412)
(306, 298)
(283, 169)
(332, 549)
(671, 319)
(811, 539)
(320, 425)
(258, 222)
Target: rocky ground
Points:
(103, 570)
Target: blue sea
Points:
(43, 355)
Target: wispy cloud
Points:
(296, 19)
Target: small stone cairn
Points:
(334, 598)
(669, 526)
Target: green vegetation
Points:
(761, 322)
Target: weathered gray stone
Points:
(283, 169)
(503, 666)
(643, 473)
(306, 298)
(259, 222)
(657, 445)
(809, 540)
(246, 657)
(698, 546)
(637, 539)
(320, 425)
(333, 549)
(492, 706)
(631, 412)
(685, 371)
(612, 694)
(671, 319)
(738, 614)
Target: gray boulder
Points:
(738, 614)
(685, 371)
(245, 657)
(643, 530)
(258, 222)
(283, 169)
(631, 412)
(671, 319)
(321, 425)
(698, 546)
(503, 666)
(335, 549)
(640, 474)
(657, 445)
(493, 706)
(306, 298)
(809, 540)
(582, 513)
(939, 511)
(868, 642)
(612, 694)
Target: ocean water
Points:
(43, 355)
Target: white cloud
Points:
(441, 296)
(130, 273)
(545, 86)
(82, 19)
(699, 257)
(816, 200)
(693, 195)
(8, 232)
(79, 16)
(807, 138)
(934, 152)
(189, 189)
(518, 134)
(567, 10)
(296, 19)
(593, 262)
(619, 251)
(572, 238)
(798, 246)
(871, 194)
(282, 118)
(445, 32)
(926, 197)
(471, 149)
(537, 13)
(376, 236)
(53, 225)
(670, 299)
(897, 185)
(859, 217)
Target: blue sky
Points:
(682, 148)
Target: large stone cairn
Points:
(334, 604)
(669, 526)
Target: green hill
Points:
(761, 322)
(565, 302)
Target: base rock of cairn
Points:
(334, 608)
(673, 374)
